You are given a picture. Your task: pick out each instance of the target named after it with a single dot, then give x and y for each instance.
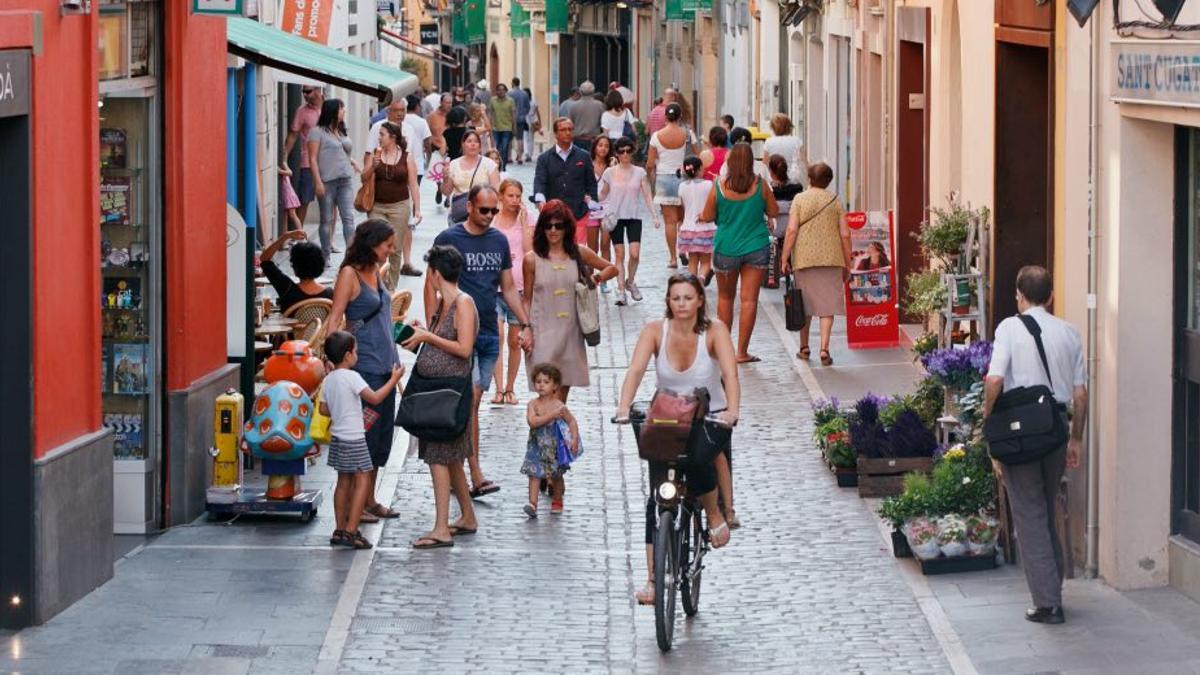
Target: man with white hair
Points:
(585, 115)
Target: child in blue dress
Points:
(553, 439)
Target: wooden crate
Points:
(885, 477)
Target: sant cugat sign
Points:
(1156, 72)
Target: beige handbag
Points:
(587, 307)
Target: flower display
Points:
(952, 535)
(959, 368)
(922, 536)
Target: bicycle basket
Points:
(667, 425)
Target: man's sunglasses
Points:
(556, 225)
(625, 151)
(487, 210)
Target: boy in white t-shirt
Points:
(342, 394)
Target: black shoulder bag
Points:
(1026, 423)
(436, 408)
(795, 314)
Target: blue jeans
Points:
(338, 192)
(487, 352)
(503, 141)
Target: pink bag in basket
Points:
(668, 424)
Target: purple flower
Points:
(959, 368)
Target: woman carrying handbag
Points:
(449, 344)
(817, 246)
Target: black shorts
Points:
(627, 229)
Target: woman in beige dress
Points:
(819, 245)
(551, 270)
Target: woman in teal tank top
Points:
(740, 204)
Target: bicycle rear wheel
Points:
(666, 575)
(690, 564)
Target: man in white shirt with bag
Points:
(1033, 486)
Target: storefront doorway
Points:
(912, 142)
(1185, 469)
(16, 346)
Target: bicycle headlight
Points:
(667, 491)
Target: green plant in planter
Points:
(924, 344)
(925, 292)
(945, 234)
(928, 401)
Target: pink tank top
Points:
(714, 169)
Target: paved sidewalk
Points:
(808, 585)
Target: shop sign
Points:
(309, 19)
(556, 16)
(476, 21)
(218, 7)
(674, 10)
(872, 313)
(14, 83)
(430, 35)
(387, 8)
(1156, 73)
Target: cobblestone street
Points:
(805, 585)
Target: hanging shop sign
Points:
(218, 7)
(1156, 73)
(14, 83)
(309, 19)
(518, 25)
(430, 35)
(674, 10)
(872, 313)
(476, 21)
(556, 16)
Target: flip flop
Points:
(487, 487)
(456, 531)
(433, 543)
(498, 399)
(381, 511)
(749, 359)
(714, 534)
(510, 397)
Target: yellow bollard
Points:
(227, 438)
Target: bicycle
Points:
(680, 540)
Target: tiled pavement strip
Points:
(807, 585)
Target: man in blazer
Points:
(565, 172)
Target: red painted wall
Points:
(194, 198)
(66, 210)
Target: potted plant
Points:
(944, 235)
(957, 369)
(922, 536)
(924, 344)
(982, 530)
(925, 293)
(952, 535)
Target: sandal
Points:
(340, 538)
(826, 359)
(426, 543)
(368, 517)
(646, 595)
(731, 519)
(804, 354)
(487, 487)
(719, 536)
(498, 399)
(510, 397)
(382, 511)
(357, 541)
(531, 510)
(460, 531)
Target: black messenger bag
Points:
(1026, 423)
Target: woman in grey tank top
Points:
(361, 299)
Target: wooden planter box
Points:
(846, 478)
(885, 477)
(962, 563)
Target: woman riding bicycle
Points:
(691, 351)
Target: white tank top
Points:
(669, 159)
(703, 372)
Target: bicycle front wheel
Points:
(666, 575)
(691, 564)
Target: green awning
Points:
(266, 45)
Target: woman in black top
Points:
(456, 126)
(308, 263)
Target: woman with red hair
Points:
(551, 270)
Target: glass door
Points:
(1185, 492)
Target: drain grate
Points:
(238, 651)
(407, 626)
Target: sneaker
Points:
(556, 507)
(604, 287)
(620, 299)
(531, 511)
(633, 291)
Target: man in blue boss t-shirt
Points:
(487, 266)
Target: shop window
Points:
(126, 43)
(1186, 417)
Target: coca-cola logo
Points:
(876, 320)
